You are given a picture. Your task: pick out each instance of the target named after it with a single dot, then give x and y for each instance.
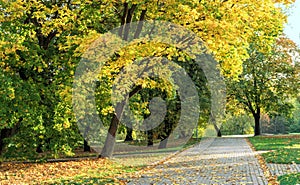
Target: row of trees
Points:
(42, 43)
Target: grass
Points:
(282, 149)
(289, 179)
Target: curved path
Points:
(213, 161)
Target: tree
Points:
(269, 80)
(38, 57)
(42, 42)
(211, 21)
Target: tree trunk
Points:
(257, 124)
(163, 143)
(150, 138)
(218, 130)
(129, 134)
(129, 131)
(5, 133)
(86, 146)
(219, 133)
(109, 144)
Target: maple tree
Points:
(42, 42)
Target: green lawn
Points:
(289, 179)
(282, 149)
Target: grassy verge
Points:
(281, 149)
(289, 179)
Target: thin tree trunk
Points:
(150, 138)
(129, 134)
(163, 143)
(8, 132)
(218, 130)
(86, 146)
(4, 133)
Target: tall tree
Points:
(38, 57)
(269, 80)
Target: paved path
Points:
(281, 169)
(213, 161)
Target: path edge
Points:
(263, 164)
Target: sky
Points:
(292, 28)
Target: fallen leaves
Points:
(271, 179)
(88, 171)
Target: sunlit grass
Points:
(282, 149)
(289, 179)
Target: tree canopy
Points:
(42, 42)
(268, 82)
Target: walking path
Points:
(213, 161)
(282, 169)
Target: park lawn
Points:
(282, 149)
(289, 179)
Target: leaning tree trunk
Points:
(86, 146)
(109, 144)
(218, 130)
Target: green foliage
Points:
(283, 156)
(294, 126)
(239, 124)
(42, 41)
(38, 58)
(268, 82)
(289, 179)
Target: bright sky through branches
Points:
(292, 29)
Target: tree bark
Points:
(86, 146)
(109, 144)
(257, 124)
(218, 130)
(4, 133)
(129, 134)
(163, 143)
(150, 138)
